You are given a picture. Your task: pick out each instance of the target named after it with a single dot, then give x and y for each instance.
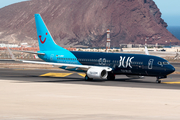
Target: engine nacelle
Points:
(97, 73)
(135, 76)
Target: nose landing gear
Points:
(160, 77)
(158, 81)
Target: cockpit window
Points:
(165, 63)
(160, 63)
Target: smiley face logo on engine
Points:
(43, 40)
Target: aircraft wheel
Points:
(158, 81)
(111, 77)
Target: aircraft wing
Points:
(11, 54)
(67, 66)
(31, 52)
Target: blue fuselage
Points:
(121, 63)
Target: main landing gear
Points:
(111, 76)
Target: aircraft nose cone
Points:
(170, 69)
(173, 69)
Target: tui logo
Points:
(43, 40)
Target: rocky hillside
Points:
(84, 22)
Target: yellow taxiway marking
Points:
(171, 82)
(56, 74)
(82, 74)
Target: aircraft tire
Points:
(158, 81)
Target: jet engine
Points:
(135, 76)
(97, 73)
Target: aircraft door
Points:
(149, 67)
(150, 63)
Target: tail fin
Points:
(46, 42)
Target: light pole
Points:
(170, 43)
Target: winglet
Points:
(146, 51)
(11, 54)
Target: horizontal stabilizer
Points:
(11, 54)
(31, 52)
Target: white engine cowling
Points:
(97, 73)
(135, 76)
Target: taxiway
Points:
(36, 94)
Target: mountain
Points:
(84, 22)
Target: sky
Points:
(4, 3)
(170, 9)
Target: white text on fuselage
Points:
(124, 63)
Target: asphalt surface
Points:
(38, 94)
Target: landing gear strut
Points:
(158, 81)
(111, 76)
(160, 77)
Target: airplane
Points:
(97, 65)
